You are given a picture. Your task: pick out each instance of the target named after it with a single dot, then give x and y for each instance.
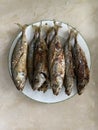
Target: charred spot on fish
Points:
(57, 45)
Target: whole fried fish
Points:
(49, 37)
(56, 64)
(81, 66)
(69, 69)
(30, 57)
(50, 33)
(19, 61)
(40, 63)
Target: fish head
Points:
(39, 80)
(80, 89)
(20, 80)
(55, 89)
(57, 85)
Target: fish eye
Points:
(22, 74)
(36, 80)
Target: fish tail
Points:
(57, 26)
(22, 27)
(36, 34)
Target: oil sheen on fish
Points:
(56, 65)
(81, 67)
(69, 69)
(30, 57)
(18, 63)
(40, 64)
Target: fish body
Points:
(30, 58)
(69, 68)
(19, 62)
(81, 67)
(56, 65)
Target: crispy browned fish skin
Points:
(40, 64)
(69, 69)
(81, 67)
(18, 63)
(56, 65)
(30, 57)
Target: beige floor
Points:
(17, 112)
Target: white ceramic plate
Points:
(48, 97)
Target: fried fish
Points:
(40, 63)
(30, 57)
(56, 64)
(19, 61)
(81, 66)
(69, 68)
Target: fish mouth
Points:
(56, 89)
(20, 84)
(55, 92)
(69, 89)
(68, 92)
(20, 87)
(80, 89)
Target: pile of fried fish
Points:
(47, 63)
